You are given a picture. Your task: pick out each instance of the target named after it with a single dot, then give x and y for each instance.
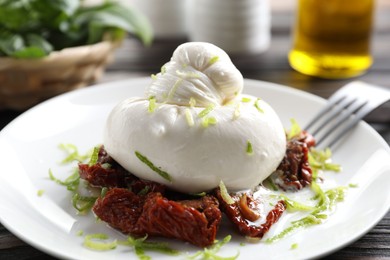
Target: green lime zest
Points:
(103, 192)
(72, 154)
(249, 148)
(326, 201)
(257, 106)
(174, 89)
(213, 59)
(224, 193)
(200, 194)
(192, 102)
(237, 111)
(96, 242)
(293, 205)
(206, 111)
(206, 121)
(246, 99)
(187, 74)
(295, 129)
(152, 104)
(189, 117)
(307, 221)
(294, 246)
(271, 184)
(163, 69)
(83, 204)
(157, 170)
(71, 183)
(141, 245)
(210, 253)
(153, 76)
(322, 160)
(95, 156)
(40, 193)
(144, 191)
(353, 185)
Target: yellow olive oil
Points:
(332, 38)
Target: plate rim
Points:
(266, 84)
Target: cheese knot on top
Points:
(200, 73)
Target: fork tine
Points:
(340, 118)
(337, 109)
(344, 110)
(360, 115)
(324, 110)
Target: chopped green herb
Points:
(249, 148)
(95, 242)
(40, 192)
(152, 104)
(353, 185)
(257, 106)
(189, 117)
(80, 233)
(224, 193)
(294, 246)
(242, 244)
(213, 60)
(206, 111)
(146, 161)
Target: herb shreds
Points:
(157, 170)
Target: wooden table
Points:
(133, 60)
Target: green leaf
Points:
(10, 43)
(112, 15)
(29, 53)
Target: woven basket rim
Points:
(65, 56)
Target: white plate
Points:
(28, 148)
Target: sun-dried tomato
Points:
(245, 228)
(106, 172)
(155, 215)
(294, 171)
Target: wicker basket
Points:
(24, 83)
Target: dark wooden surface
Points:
(133, 60)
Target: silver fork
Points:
(345, 108)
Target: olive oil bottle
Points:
(332, 38)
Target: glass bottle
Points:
(332, 38)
